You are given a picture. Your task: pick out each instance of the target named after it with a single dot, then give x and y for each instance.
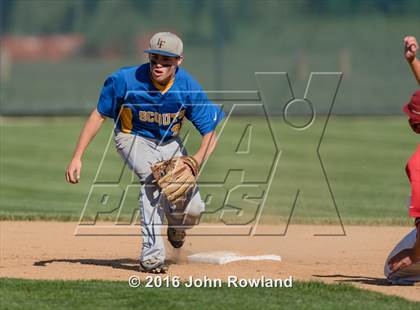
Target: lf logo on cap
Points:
(160, 43)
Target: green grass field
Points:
(316, 44)
(29, 294)
(364, 159)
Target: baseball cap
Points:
(165, 43)
(412, 108)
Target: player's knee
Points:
(195, 208)
(190, 221)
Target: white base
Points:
(224, 257)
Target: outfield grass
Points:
(364, 159)
(320, 43)
(32, 294)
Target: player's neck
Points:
(164, 86)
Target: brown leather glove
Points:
(176, 177)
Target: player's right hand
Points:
(73, 171)
(410, 48)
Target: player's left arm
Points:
(208, 144)
(205, 116)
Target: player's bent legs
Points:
(140, 153)
(406, 275)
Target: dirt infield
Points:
(50, 250)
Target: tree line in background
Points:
(116, 23)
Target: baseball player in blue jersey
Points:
(148, 104)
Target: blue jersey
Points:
(138, 107)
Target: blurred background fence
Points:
(55, 55)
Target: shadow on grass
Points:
(356, 279)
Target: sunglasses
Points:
(153, 62)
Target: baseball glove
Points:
(176, 177)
